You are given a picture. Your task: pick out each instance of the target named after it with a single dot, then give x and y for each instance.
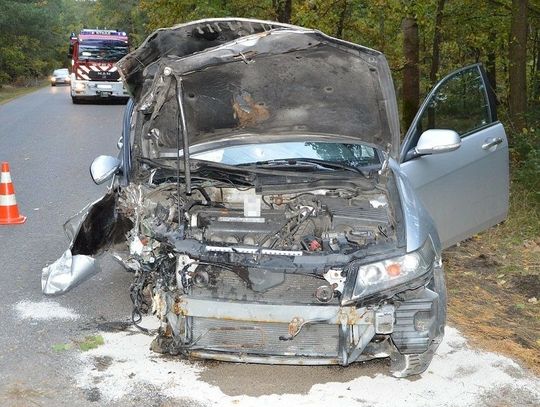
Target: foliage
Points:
(34, 35)
(86, 344)
(91, 342)
(525, 154)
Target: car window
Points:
(357, 154)
(459, 104)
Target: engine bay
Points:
(319, 221)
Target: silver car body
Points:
(60, 76)
(441, 181)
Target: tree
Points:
(283, 10)
(436, 50)
(411, 71)
(517, 66)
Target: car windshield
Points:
(102, 50)
(60, 72)
(350, 154)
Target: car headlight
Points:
(79, 86)
(53, 79)
(385, 274)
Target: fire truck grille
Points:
(96, 73)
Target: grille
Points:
(104, 75)
(294, 289)
(96, 73)
(317, 340)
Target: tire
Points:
(53, 84)
(76, 101)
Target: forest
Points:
(423, 41)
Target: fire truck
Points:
(93, 56)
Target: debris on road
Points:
(67, 272)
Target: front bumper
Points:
(97, 89)
(406, 331)
(63, 81)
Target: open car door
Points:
(466, 190)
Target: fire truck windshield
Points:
(102, 50)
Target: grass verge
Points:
(494, 283)
(8, 93)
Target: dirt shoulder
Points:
(494, 292)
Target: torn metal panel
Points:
(67, 272)
(101, 225)
(92, 231)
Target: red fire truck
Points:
(93, 56)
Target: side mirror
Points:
(103, 168)
(437, 141)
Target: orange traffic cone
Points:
(9, 212)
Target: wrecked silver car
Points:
(267, 208)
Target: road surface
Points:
(49, 143)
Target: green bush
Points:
(525, 157)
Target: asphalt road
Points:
(50, 143)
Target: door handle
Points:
(492, 142)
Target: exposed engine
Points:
(242, 244)
(330, 221)
(323, 221)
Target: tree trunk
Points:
(283, 10)
(491, 62)
(536, 63)
(437, 38)
(517, 70)
(411, 71)
(342, 17)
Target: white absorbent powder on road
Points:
(459, 376)
(43, 310)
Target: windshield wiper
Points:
(286, 162)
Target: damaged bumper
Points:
(408, 332)
(67, 272)
(91, 231)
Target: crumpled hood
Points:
(238, 77)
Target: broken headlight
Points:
(386, 274)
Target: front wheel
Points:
(76, 101)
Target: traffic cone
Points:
(9, 211)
